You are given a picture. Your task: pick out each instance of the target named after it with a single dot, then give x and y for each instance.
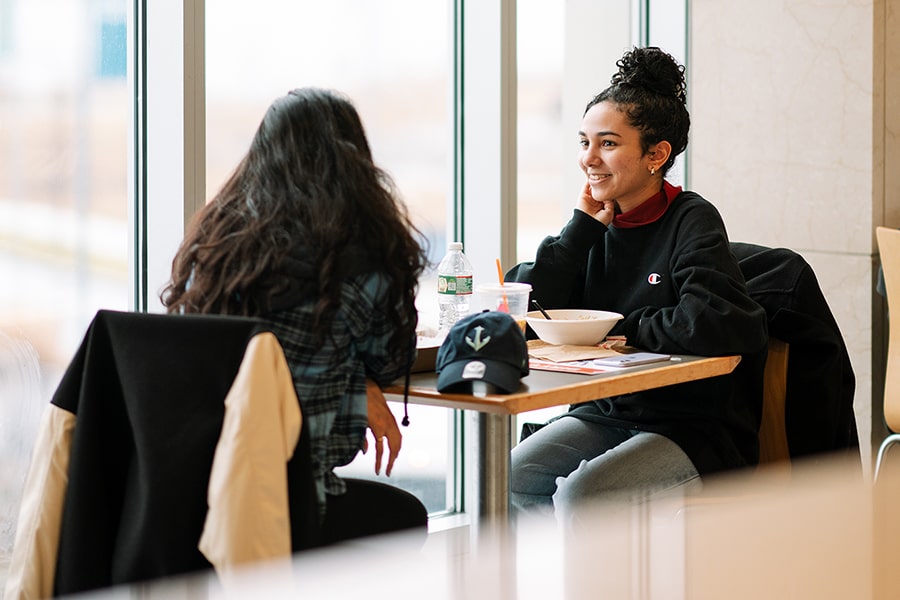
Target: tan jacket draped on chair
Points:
(171, 444)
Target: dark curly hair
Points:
(307, 197)
(650, 88)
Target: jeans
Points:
(571, 462)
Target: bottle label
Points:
(459, 285)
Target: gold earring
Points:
(652, 171)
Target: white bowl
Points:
(578, 327)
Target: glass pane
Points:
(544, 155)
(393, 59)
(64, 122)
(567, 52)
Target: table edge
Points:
(634, 379)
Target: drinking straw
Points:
(541, 308)
(504, 305)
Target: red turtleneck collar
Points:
(648, 211)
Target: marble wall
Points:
(794, 121)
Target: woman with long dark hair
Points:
(309, 234)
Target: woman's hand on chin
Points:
(603, 211)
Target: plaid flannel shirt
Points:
(330, 374)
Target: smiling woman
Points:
(660, 256)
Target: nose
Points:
(588, 157)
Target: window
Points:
(64, 118)
(71, 150)
(392, 58)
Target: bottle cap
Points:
(454, 246)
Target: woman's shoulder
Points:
(692, 219)
(691, 198)
(689, 201)
(362, 301)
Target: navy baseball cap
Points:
(487, 346)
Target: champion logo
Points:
(654, 278)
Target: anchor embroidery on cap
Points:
(478, 343)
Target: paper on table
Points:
(568, 353)
(582, 367)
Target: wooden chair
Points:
(819, 416)
(889, 248)
(773, 443)
(774, 454)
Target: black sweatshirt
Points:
(679, 287)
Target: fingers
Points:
(379, 451)
(394, 443)
(383, 425)
(586, 203)
(390, 465)
(585, 200)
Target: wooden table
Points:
(545, 389)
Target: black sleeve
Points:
(558, 272)
(714, 313)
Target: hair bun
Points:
(651, 69)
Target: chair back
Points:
(889, 248)
(820, 384)
(773, 442)
(159, 411)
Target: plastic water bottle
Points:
(454, 287)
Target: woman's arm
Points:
(714, 314)
(385, 358)
(557, 273)
(384, 362)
